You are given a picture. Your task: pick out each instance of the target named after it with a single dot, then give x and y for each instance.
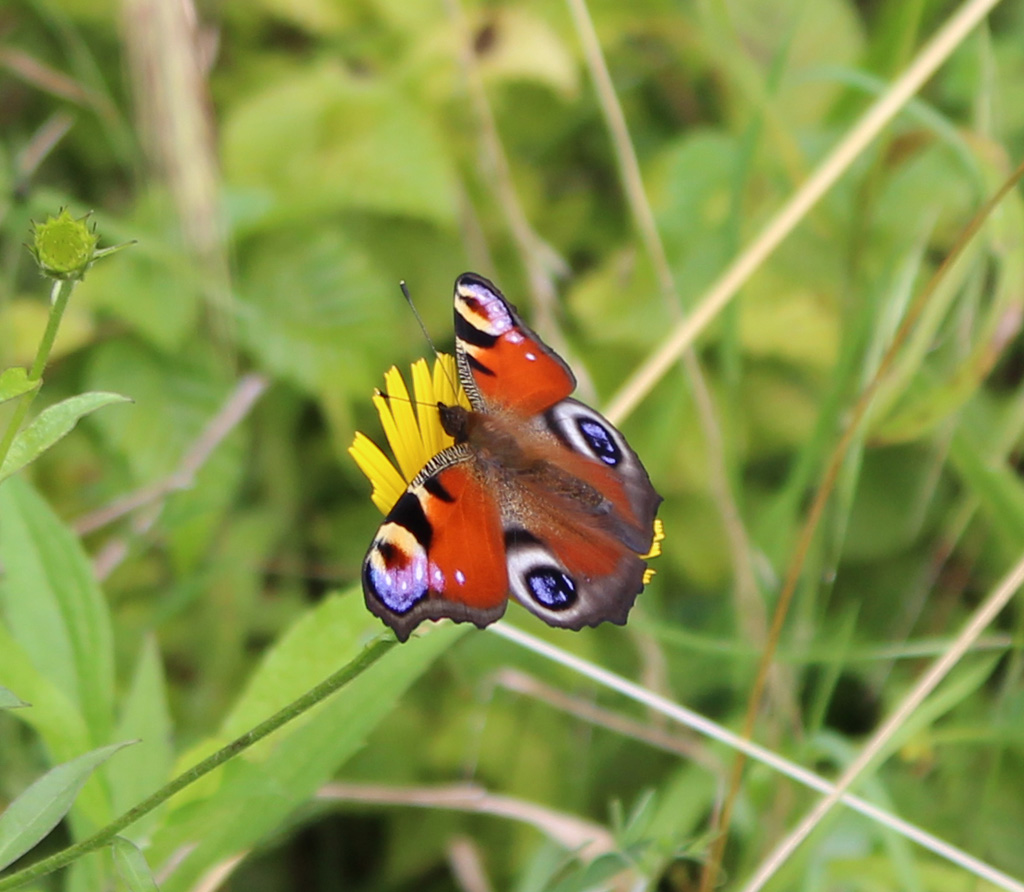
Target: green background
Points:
(283, 165)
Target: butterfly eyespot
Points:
(551, 587)
(395, 578)
(600, 441)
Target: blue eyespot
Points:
(551, 587)
(397, 580)
(599, 440)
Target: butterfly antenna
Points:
(426, 334)
(403, 399)
(419, 318)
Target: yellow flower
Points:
(415, 437)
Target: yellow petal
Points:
(415, 435)
(388, 484)
(446, 386)
(399, 421)
(431, 432)
(659, 534)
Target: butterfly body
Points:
(540, 497)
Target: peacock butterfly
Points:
(540, 496)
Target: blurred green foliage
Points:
(282, 165)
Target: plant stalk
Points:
(59, 295)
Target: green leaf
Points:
(10, 700)
(529, 50)
(50, 426)
(314, 317)
(324, 140)
(60, 726)
(257, 793)
(54, 608)
(131, 866)
(39, 808)
(14, 382)
(54, 716)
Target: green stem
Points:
(62, 289)
(367, 658)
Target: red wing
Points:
(576, 562)
(571, 573)
(439, 553)
(597, 453)
(501, 361)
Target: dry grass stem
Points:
(527, 685)
(168, 51)
(231, 414)
(588, 840)
(824, 492)
(467, 865)
(539, 259)
(749, 608)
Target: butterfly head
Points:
(455, 420)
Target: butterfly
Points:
(540, 497)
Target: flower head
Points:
(414, 435)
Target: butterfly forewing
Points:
(439, 552)
(588, 434)
(501, 361)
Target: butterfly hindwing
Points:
(439, 552)
(573, 577)
(501, 361)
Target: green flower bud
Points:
(64, 247)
